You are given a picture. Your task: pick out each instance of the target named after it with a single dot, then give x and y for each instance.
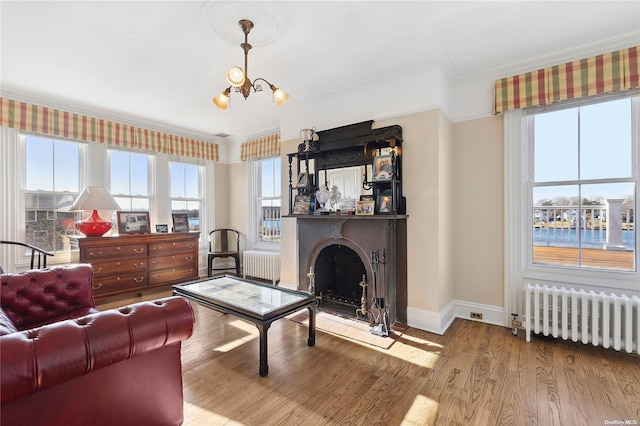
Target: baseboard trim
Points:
(438, 322)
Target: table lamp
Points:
(94, 198)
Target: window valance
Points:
(48, 121)
(610, 72)
(267, 146)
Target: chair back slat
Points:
(42, 254)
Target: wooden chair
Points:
(36, 253)
(223, 242)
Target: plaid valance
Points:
(610, 72)
(53, 122)
(267, 146)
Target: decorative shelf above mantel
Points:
(347, 216)
(348, 147)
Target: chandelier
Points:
(238, 78)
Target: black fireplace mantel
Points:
(364, 235)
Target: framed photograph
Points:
(133, 222)
(384, 203)
(364, 207)
(366, 197)
(303, 180)
(382, 168)
(162, 229)
(180, 222)
(302, 204)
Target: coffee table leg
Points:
(264, 367)
(312, 325)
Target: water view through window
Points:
(583, 191)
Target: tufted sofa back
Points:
(37, 297)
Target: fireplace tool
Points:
(363, 299)
(378, 310)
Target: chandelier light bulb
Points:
(280, 96)
(235, 76)
(222, 100)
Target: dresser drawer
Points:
(116, 250)
(171, 247)
(119, 282)
(184, 260)
(174, 274)
(103, 268)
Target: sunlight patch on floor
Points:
(423, 408)
(252, 334)
(195, 415)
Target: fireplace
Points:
(337, 251)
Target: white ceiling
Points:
(159, 63)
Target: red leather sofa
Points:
(64, 362)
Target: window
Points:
(266, 203)
(52, 183)
(130, 180)
(583, 172)
(185, 192)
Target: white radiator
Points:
(602, 319)
(261, 264)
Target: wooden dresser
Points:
(136, 262)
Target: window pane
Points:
(119, 173)
(605, 140)
(39, 167)
(139, 174)
(177, 180)
(556, 146)
(66, 161)
(130, 180)
(267, 206)
(52, 180)
(191, 182)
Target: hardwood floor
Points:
(476, 374)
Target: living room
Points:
(455, 158)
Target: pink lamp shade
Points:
(94, 198)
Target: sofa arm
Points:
(37, 359)
(40, 296)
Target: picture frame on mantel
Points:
(384, 202)
(365, 207)
(303, 180)
(382, 168)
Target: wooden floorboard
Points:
(476, 374)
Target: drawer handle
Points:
(155, 277)
(140, 250)
(191, 245)
(189, 271)
(155, 262)
(139, 280)
(138, 265)
(96, 288)
(94, 254)
(98, 270)
(188, 258)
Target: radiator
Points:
(261, 264)
(602, 319)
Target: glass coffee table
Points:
(256, 302)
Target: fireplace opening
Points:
(338, 273)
